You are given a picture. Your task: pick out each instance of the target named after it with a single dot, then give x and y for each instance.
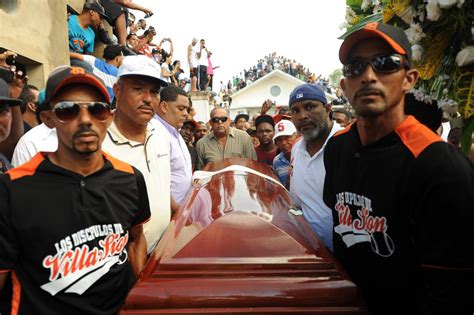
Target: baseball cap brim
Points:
(160, 81)
(11, 101)
(247, 117)
(371, 30)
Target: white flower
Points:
(351, 16)
(414, 33)
(433, 12)
(407, 15)
(445, 91)
(417, 52)
(446, 4)
(465, 56)
(365, 5)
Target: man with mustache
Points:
(310, 115)
(71, 220)
(131, 138)
(402, 199)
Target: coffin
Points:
(239, 246)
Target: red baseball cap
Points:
(393, 36)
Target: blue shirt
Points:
(281, 166)
(107, 72)
(80, 40)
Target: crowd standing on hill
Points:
(118, 133)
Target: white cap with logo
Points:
(141, 65)
(284, 128)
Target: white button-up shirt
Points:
(180, 159)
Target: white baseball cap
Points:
(141, 65)
(284, 128)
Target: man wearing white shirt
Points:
(132, 139)
(171, 114)
(310, 115)
(202, 56)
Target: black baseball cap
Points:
(5, 95)
(94, 5)
(112, 51)
(264, 118)
(66, 75)
(245, 116)
(393, 36)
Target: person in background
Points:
(224, 141)
(187, 132)
(202, 57)
(341, 116)
(240, 121)
(171, 113)
(106, 70)
(200, 131)
(29, 97)
(6, 102)
(267, 150)
(285, 136)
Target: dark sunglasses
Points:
(219, 119)
(68, 110)
(381, 64)
(4, 106)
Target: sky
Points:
(240, 32)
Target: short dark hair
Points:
(112, 51)
(130, 35)
(171, 93)
(342, 111)
(27, 96)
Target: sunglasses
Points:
(381, 64)
(4, 106)
(68, 110)
(219, 119)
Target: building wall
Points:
(37, 31)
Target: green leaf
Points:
(466, 138)
(377, 17)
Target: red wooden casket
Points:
(238, 245)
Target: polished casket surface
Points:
(239, 246)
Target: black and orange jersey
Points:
(64, 236)
(401, 206)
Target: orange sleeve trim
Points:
(143, 222)
(343, 131)
(16, 294)
(4, 270)
(119, 165)
(446, 268)
(27, 169)
(416, 136)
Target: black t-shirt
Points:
(402, 207)
(63, 236)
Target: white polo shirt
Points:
(153, 160)
(39, 139)
(307, 185)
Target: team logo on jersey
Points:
(75, 266)
(364, 227)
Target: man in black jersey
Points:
(402, 199)
(71, 220)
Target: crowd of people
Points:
(112, 145)
(266, 65)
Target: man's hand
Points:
(18, 83)
(266, 107)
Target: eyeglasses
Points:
(68, 110)
(381, 64)
(4, 106)
(219, 119)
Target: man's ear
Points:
(163, 106)
(31, 106)
(342, 83)
(47, 119)
(411, 77)
(116, 89)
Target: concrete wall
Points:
(37, 31)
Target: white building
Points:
(276, 86)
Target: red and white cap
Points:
(284, 128)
